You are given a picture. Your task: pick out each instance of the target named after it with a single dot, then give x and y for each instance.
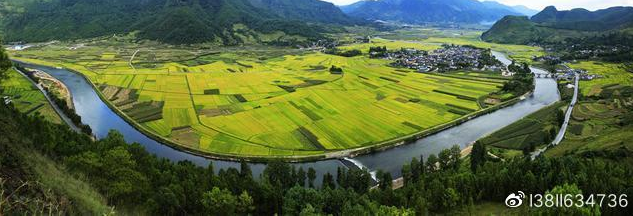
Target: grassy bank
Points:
(26, 97)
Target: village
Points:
(563, 71)
(447, 58)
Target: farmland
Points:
(535, 130)
(265, 101)
(26, 97)
(601, 122)
(611, 74)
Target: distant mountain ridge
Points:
(551, 25)
(522, 10)
(171, 21)
(429, 11)
(585, 20)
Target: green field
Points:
(26, 97)
(601, 122)
(533, 130)
(266, 101)
(611, 74)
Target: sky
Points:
(540, 4)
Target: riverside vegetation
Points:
(113, 173)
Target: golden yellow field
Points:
(253, 104)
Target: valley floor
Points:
(271, 102)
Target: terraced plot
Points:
(26, 97)
(285, 105)
(610, 74)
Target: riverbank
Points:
(379, 147)
(59, 112)
(55, 86)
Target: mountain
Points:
(551, 25)
(582, 19)
(170, 21)
(427, 11)
(305, 10)
(523, 10)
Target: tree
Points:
(5, 63)
(431, 163)
(301, 177)
(421, 206)
(219, 202)
(297, 198)
(407, 175)
(311, 176)
(279, 175)
(328, 181)
(455, 157)
(386, 180)
(308, 211)
(451, 198)
(245, 203)
(560, 117)
(341, 177)
(445, 159)
(245, 170)
(436, 194)
(477, 156)
(416, 169)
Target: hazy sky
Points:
(540, 4)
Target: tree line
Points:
(131, 178)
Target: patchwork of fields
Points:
(601, 122)
(611, 74)
(26, 97)
(267, 103)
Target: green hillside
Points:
(169, 21)
(306, 10)
(520, 30)
(584, 20)
(553, 26)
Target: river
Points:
(102, 119)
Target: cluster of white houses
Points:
(567, 73)
(447, 58)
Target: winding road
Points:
(563, 129)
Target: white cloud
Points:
(540, 4)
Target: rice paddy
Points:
(599, 125)
(26, 97)
(269, 102)
(610, 74)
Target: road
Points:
(563, 129)
(61, 114)
(132, 59)
(574, 100)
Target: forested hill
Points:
(306, 10)
(551, 25)
(170, 21)
(584, 20)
